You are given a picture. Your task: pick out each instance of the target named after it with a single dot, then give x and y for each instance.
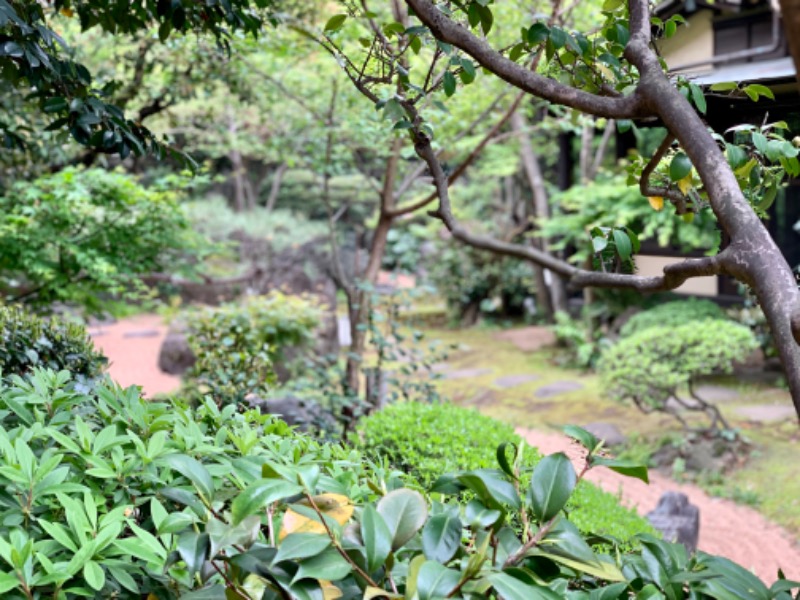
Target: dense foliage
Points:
(673, 314)
(426, 440)
(106, 495)
(28, 342)
(80, 235)
(656, 367)
(237, 344)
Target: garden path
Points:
(737, 532)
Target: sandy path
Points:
(726, 528)
(737, 532)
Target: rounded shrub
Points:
(426, 440)
(673, 314)
(28, 341)
(658, 364)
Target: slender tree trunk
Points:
(275, 188)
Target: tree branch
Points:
(447, 30)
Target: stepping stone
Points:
(528, 339)
(466, 373)
(556, 388)
(764, 413)
(143, 333)
(510, 381)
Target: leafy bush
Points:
(426, 440)
(572, 337)
(78, 235)
(659, 363)
(106, 495)
(236, 344)
(673, 314)
(29, 341)
(475, 282)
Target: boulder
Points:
(677, 520)
(291, 409)
(175, 356)
(608, 432)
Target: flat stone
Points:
(510, 381)
(556, 388)
(528, 339)
(482, 399)
(608, 432)
(764, 413)
(142, 333)
(466, 373)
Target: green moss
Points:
(428, 440)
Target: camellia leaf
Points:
(436, 581)
(502, 458)
(441, 537)
(623, 244)
(511, 588)
(298, 546)
(491, 487)
(552, 483)
(405, 512)
(193, 549)
(679, 167)
(449, 84)
(586, 438)
(376, 536)
(328, 564)
(622, 467)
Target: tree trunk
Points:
(275, 188)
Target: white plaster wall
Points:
(654, 265)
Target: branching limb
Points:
(673, 195)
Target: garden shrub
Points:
(29, 341)
(237, 344)
(106, 495)
(78, 236)
(673, 314)
(659, 363)
(426, 440)
(578, 350)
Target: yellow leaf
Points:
(68, 12)
(329, 591)
(685, 184)
(607, 73)
(296, 523)
(657, 202)
(333, 506)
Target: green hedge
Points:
(426, 440)
(673, 314)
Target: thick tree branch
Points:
(447, 30)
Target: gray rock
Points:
(677, 520)
(175, 356)
(608, 432)
(466, 373)
(291, 409)
(556, 388)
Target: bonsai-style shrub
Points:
(426, 440)
(236, 344)
(673, 314)
(657, 368)
(28, 341)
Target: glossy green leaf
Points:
(441, 537)
(193, 549)
(260, 494)
(449, 84)
(502, 457)
(586, 438)
(328, 565)
(297, 546)
(94, 575)
(623, 244)
(552, 483)
(623, 467)
(436, 581)
(405, 512)
(376, 536)
(335, 23)
(511, 588)
(193, 471)
(492, 487)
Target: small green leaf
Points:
(436, 581)
(623, 467)
(404, 512)
(376, 536)
(297, 546)
(552, 483)
(586, 438)
(328, 565)
(193, 471)
(259, 494)
(449, 84)
(623, 244)
(502, 457)
(511, 588)
(724, 86)
(538, 33)
(335, 23)
(94, 575)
